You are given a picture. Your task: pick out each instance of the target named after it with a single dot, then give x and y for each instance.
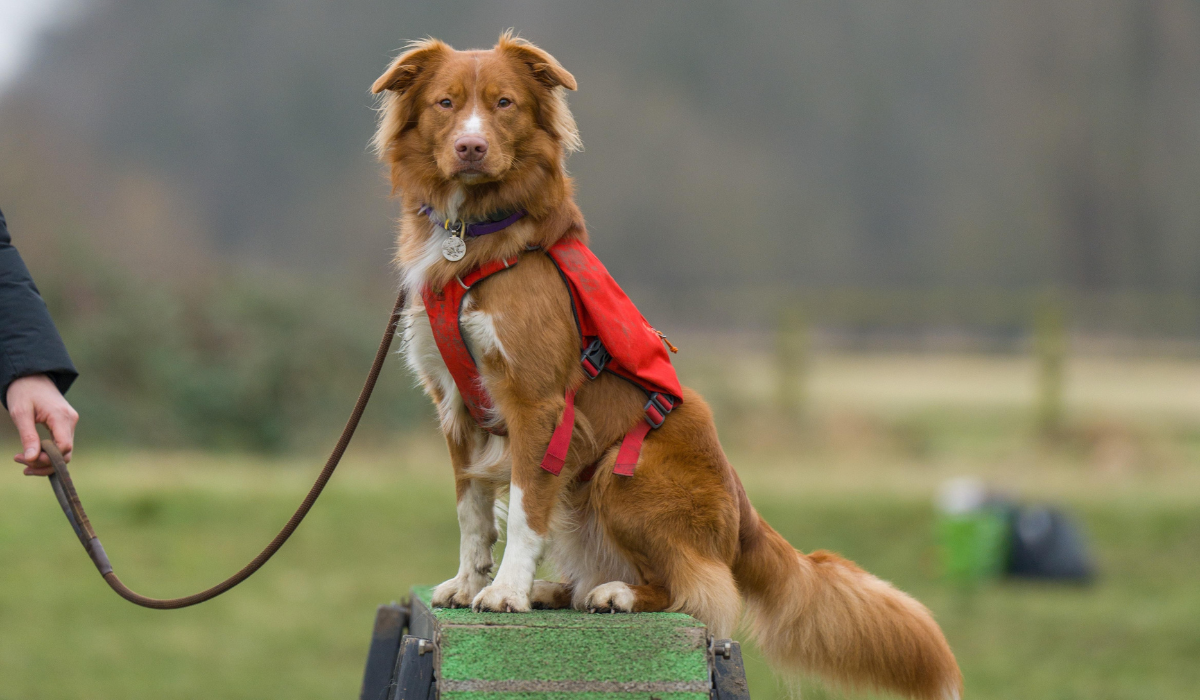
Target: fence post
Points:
(1050, 347)
(792, 360)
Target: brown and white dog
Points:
(471, 133)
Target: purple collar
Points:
(473, 229)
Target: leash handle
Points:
(68, 498)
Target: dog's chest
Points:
(479, 332)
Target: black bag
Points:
(1045, 544)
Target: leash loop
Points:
(68, 498)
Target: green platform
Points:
(564, 654)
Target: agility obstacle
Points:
(422, 653)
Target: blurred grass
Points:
(174, 522)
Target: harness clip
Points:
(657, 409)
(594, 358)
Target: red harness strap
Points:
(444, 308)
(631, 449)
(560, 440)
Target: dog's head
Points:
(485, 121)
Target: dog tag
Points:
(453, 249)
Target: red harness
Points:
(614, 337)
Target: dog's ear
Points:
(554, 115)
(545, 69)
(400, 85)
(404, 71)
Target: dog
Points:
(468, 137)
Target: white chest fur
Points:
(422, 356)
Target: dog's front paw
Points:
(501, 598)
(611, 597)
(459, 591)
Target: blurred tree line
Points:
(234, 361)
(192, 186)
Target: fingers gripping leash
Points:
(68, 498)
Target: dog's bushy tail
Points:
(821, 613)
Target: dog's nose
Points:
(471, 148)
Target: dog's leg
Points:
(550, 595)
(522, 551)
(533, 496)
(618, 596)
(477, 534)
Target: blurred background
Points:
(895, 242)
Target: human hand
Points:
(33, 400)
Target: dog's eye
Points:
(446, 103)
(504, 102)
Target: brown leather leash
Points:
(64, 490)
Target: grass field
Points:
(858, 480)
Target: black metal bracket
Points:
(399, 666)
(414, 670)
(729, 673)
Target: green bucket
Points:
(974, 545)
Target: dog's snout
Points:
(471, 148)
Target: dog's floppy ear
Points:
(545, 69)
(400, 76)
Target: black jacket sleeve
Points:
(29, 342)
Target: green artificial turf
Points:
(547, 653)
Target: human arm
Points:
(35, 369)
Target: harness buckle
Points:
(657, 409)
(594, 358)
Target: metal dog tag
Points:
(453, 249)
